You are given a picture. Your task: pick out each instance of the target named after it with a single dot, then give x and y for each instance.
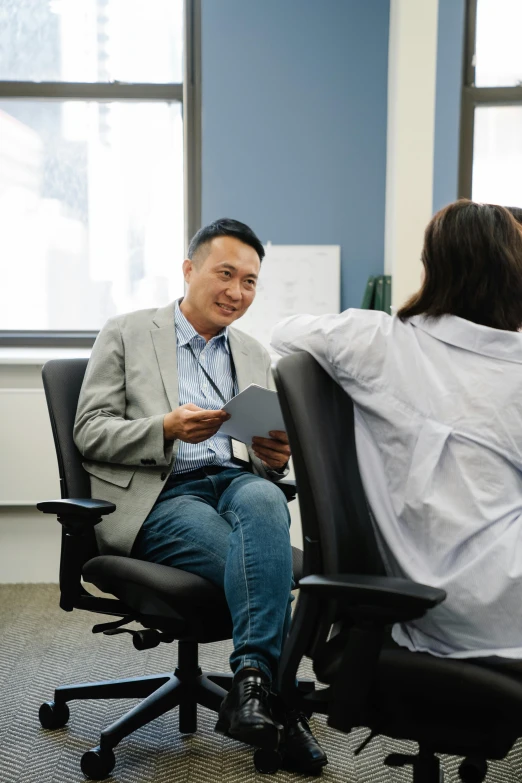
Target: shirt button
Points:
(163, 476)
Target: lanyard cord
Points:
(214, 386)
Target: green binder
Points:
(367, 302)
(379, 293)
(387, 294)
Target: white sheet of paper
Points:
(254, 411)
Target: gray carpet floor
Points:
(42, 646)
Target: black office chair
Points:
(169, 603)
(347, 604)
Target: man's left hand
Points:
(273, 451)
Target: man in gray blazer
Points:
(148, 423)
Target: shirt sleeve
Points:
(310, 333)
(353, 347)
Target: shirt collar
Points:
(185, 332)
(495, 343)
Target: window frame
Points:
(474, 97)
(187, 93)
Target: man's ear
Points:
(188, 268)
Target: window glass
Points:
(91, 40)
(497, 155)
(91, 211)
(498, 43)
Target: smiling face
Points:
(221, 284)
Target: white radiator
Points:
(28, 467)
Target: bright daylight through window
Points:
(497, 137)
(91, 190)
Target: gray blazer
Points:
(130, 384)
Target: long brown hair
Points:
(516, 212)
(472, 259)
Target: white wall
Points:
(412, 63)
(29, 546)
(29, 541)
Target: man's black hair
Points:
(225, 227)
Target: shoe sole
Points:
(267, 737)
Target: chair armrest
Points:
(77, 516)
(378, 597)
(288, 487)
(366, 604)
(77, 512)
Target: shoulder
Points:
(367, 334)
(367, 324)
(366, 318)
(250, 344)
(365, 342)
(141, 320)
(135, 317)
(351, 327)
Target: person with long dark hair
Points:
(438, 408)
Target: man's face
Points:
(222, 286)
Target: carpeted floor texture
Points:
(42, 646)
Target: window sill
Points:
(38, 356)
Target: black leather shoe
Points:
(300, 750)
(245, 713)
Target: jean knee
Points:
(266, 500)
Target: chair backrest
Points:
(62, 381)
(319, 417)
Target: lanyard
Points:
(214, 386)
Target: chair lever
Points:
(108, 628)
(142, 640)
(114, 631)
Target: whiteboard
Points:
(293, 279)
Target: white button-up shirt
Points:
(438, 414)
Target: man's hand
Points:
(273, 451)
(192, 424)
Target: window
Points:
(99, 132)
(491, 118)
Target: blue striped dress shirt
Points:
(194, 387)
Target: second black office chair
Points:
(347, 604)
(168, 603)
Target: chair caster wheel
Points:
(52, 715)
(97, 764)
(473, 770)
(267, 761)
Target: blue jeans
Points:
(232, 528)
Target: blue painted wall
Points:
(447, 107)
(294, 124)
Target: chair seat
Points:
(185, 603)
(448, 703)
(447, 678)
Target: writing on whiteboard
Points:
(293, 279)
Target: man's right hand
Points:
(192, 424)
